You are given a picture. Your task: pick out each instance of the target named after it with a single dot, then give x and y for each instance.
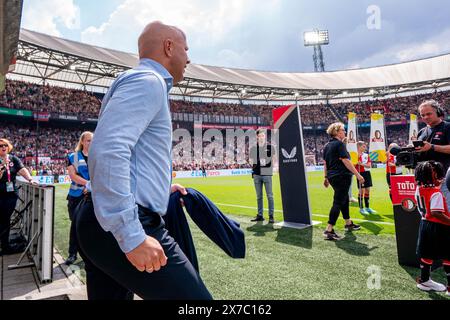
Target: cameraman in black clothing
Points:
(436, 138)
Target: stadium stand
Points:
(56, 142)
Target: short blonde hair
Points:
(10, 146)
(334, 129)
(79, 146)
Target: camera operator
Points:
(436, 138)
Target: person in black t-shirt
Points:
(338, 173)
(436, 137)
(10, 167)
(261, 158)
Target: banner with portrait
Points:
(352, 139)
(377, 138)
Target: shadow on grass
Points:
(350, 245)
(260, 229)
(300, 238)
(437, 275)
(372, 227)
(374, 217)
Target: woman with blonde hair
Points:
(79, 174)
(10, 167)
(338, 173)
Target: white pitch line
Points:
(315, 215)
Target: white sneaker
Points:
(430, 285)
(353, 200)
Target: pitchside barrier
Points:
(34, 216)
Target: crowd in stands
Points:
(394, 109)
(45, 98)
(56, 143)
(50, 99)
(225, 109)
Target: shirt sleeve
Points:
(342, 152)
(128, 113)
(447, 132)
(18, 164)
(69, 161)
(437, 202)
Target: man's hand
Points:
(149, 256)
(426, 147)
(326, 183)
(360, 179)
(180, 188)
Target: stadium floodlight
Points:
(316, 38)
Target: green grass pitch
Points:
(288, 264)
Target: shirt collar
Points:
(159, 68)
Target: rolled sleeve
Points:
(343, 153)
(128, 113)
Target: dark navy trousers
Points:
(110, 276)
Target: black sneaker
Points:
(331, 235)
(352, 227)
(271, 220)
(257, 219)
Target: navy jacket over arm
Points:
(224, 232)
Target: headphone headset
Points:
(440, 112)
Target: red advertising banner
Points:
(41, 116)
(403, 192)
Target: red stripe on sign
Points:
(278, 113)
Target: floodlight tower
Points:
(317, 39)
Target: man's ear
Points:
(168, 47)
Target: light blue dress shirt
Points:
(130, 156)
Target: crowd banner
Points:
(352, 135)
(377, 138)
(413, 128)
(294, 192)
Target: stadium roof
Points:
(54, 59)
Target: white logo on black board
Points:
(289, 156)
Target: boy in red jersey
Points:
(391, 168)
(434, 233)
(363, 167)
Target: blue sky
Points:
(259, 34)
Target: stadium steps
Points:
(335, 113)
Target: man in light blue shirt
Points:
(124, 243)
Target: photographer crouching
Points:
(436, 139)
